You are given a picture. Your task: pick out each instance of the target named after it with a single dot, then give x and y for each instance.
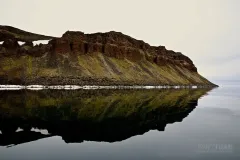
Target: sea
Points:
(119, 124)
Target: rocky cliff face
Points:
(100, 58)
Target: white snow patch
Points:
(177, 87)
(149, 87)
(42, 131)
(93, 87)
(19, 130)
(21, 43)
(89, 87)
(55, 87)
(35, 87)
(10, 86)
(1, 42)
(2, 89)
(72, 87)
(40, 42)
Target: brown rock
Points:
(112, 44)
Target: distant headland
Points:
(110, 58)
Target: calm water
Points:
(143, 124)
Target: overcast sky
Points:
(207, 31)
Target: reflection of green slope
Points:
(94, 115)
(95, 105)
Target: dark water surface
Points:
(120, 124)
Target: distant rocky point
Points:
(76, 58)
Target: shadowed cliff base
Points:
(110, 58)
(86, 115)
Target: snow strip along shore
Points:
(75, 87)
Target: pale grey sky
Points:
(205, 30)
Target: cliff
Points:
(110, 58)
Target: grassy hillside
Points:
(95, 105)
(96, 66)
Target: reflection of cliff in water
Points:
(94, 115)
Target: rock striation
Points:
(110, 58)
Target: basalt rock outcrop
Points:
(110, 58)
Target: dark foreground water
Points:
(121, 124)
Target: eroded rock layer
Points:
(110, 58)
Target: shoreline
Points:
(94, 87)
